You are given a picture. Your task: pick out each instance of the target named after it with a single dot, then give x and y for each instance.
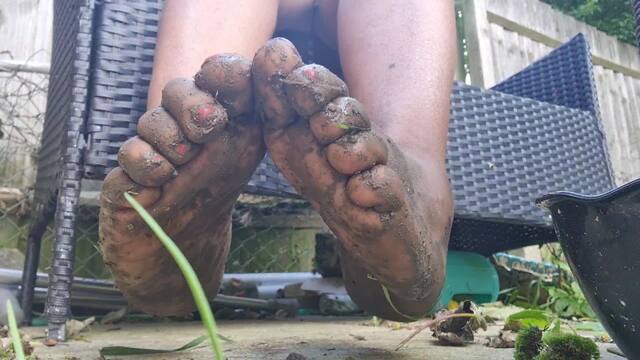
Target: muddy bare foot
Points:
(191, 159)
(390, 207)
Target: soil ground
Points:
(315, 338)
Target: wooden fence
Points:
(504, 36)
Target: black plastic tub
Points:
(600, 237)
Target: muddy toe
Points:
(359, 181)
(190, 161)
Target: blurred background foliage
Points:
(614, 17)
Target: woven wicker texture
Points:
(60, 162)
(123, 46)
(504, 151)
(563, 77)
(66, 98)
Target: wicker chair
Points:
(536, 132)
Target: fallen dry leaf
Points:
(505, 339)
(75, 327)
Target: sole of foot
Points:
(390, 209)
(192, 157)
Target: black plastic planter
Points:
(600, 236)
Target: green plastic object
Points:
(469, 276)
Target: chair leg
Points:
(32, 259)
(58, 303)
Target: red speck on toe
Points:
(310, 73)
(203, 112)
(182, 149)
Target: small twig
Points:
(431, 323)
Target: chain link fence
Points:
(273, 235)
(258, 244)
(22, 105)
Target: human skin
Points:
(380, 183)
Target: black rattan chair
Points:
(536, 132)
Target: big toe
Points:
(228, 78)
(310, 87)
(271, 65)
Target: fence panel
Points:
(505, 36)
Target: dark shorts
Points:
(313, 50)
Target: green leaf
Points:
(587, 311)
(561, 305)
(527, 318)
(564, 267)
(127, 351)
(560, 292)
(576, 290)
(573, 309)
(343, 126)
(589, 326)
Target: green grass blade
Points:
(126, 351)
(13, 331)
(187, 271)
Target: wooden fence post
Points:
(477, 33)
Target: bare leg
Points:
(384, 190)
(192, 30)
(398, 58)
(192, 156)
(392, 217)
(409, 48)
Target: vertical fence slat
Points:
(477, 33)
